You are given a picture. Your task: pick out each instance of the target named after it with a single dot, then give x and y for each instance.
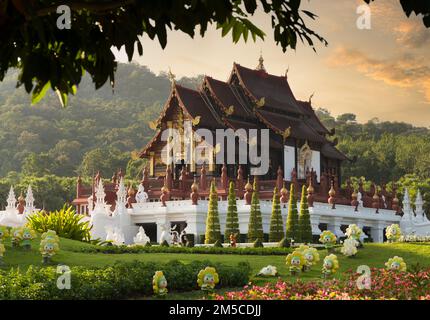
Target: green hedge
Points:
(199, 250)
(121, 280)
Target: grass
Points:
(373, 255)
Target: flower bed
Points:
(385, 285)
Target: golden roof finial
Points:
(310, 98)
(260, 66)
(171, 76)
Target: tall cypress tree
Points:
(213, 231)
(292, 230)
(305, 219)
(232, 220)
(276, 223)
(255, 227)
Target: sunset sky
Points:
(383, 72)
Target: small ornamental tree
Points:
(276, 223)
(304, 219)
(232, 220)
(255, 227)
(292, 229)
(213, 231)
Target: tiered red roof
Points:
(234, 104)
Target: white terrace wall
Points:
(195, 216)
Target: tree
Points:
(55, 57)
(232, 220)
(292, 229)
(305, 227)
(36, 165)
(213, 231)
(276, 224)
(255, 226)
(105, 160)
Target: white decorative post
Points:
(407, 210)
(420, 214)
(29, 201)
(11, 200)
(125, 219)
(100, 206)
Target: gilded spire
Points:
(260, 66)
(171, 76)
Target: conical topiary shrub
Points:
(232, 219)
(255, 226)
(276, 224)
(305, 227)
(213, 231)
(292, 229)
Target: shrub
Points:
(292, 229)
(232, 219)
(255, 227)
(305, 228)
(276, 223)
(186, 250)
(65, 222)
(122, 280)
(213, 231)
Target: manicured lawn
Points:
(373, 255)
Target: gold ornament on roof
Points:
(196, 120)
(260, 66)
(171, 76)
(261, 102)
(229, 111)
(286, 133)
(152, 125)
(310, 189)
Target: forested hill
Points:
(99, 129)
(101, 124)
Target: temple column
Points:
(151, 163)
(377, 232)
(334, 226)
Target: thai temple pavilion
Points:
(300, 152)
(300, 148)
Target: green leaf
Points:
(37, 95)
(63, 98)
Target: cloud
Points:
(412, 34)
(405, 72)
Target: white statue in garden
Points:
(268, 271)
(141, 196)
(349, 248)
(110, 236)
(166, 233)
(141, 238)
(119, 238)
